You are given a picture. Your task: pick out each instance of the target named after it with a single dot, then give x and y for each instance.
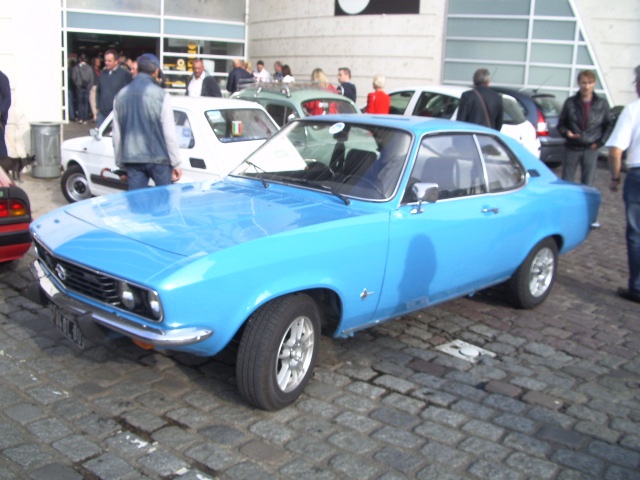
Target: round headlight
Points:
(154, 304)
(127, 295)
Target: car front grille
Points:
(81, 280)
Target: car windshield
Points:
(347, 159)
(323, 106)
(238, 125)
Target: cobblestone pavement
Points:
(561, 399)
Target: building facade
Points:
(534, 43)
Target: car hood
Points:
(202, 218)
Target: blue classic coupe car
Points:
(336, 224)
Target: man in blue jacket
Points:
(144, 135)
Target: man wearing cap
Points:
(626, 136)
(144, 135)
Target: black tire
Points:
(74, 184)
(278, 351)
(532, 282)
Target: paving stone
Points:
(27, 455)
(221, 434)
(355, 402)
(77, 448)
(399, 460)
(504, 403)
(527, 444)
(49, 429)
(444, 416)
(55, 471)
(597, 431)
(395, 384)
(402, 402)
(10, 436)
(485, 469)
(369, 391)
(109, 466)
(397, 437)
(579, 461)
(473, 409)
(448, 455)
(393, 417)
(163, 463)
(128, 445)
(311, 447)
(439, 472)
(533, 467)
(484, 430)
(353, 442)
(616, 455)
(357, 422)
(300, 468)
(481, 448)
(503, 388)
(440, 433)
(354, 467)
(272, 432)
(618, 473)
(24, 413)
(546, 401)
(515, 422)
(212, 456)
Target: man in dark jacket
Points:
(112, 79)
(481, 105)
(238, 76)
(585, 122)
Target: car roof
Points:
(417, 125)
(451, 90)
(211, 103)
(297, 91)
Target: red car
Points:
(15, 218)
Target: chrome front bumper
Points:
(88, 316)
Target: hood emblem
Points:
(61, 272)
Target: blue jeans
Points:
(138, 174)
(82, 95)
(101, 118)
(587, 159)
(631, 197)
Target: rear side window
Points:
(511, 112)
(399, 101)
(549, 105)
(436, 105)
(502, 170)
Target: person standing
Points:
(201, 84)
(238, 76)
(82, 76)
(144, 134)
(5, 103)
(277, 71)
(347, 88)
(585, 123)
(112, 80)
(626, 136)
(481, 105)
(261, 75)
(96, 63)
(378, 101)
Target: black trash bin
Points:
(45, 144)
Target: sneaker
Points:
(628, 295)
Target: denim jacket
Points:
(143, 125)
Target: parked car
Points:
(543, 111)
(215, 134)
(334, 225)
(286, 101)
(15, 218)
(441, 101)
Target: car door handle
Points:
(490, 210)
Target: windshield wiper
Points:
(325, 188)
(259, 171)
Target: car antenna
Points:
(537, 89)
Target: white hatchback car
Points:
(441, 101)
(215, 135)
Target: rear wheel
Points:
(278, 351)
(532, 282)
(74, 184)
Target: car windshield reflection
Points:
(348, 159)
(240, 125)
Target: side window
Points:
(279, 113)
(436, 105)
(183, 129)
(452, 162)
(399, 101)
(504, 172)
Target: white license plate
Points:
(69, 327)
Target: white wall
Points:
(407, 49)
(614, 30)
(30, 55)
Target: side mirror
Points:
(424, 192)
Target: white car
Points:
(215, 135)
(441, 101)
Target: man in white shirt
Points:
(194, 87)
(626, 136)
(262, 75)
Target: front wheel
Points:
(74, 184)
(532, 282)
(278, 351)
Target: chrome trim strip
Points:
(85, 313)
